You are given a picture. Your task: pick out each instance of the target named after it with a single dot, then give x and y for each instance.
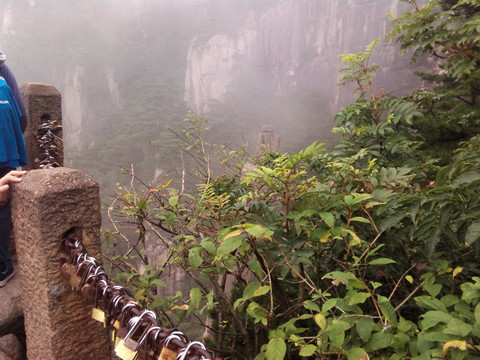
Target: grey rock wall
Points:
(297, 43)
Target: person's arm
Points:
(7, 74)
(13, 176)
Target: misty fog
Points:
(130, 70)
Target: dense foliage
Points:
(368, 251)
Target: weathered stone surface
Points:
(11, 315)
(43, 102)
(4, 356)
(12, 347)
(47, 204)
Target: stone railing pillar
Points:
(48, 204)
(43, 104)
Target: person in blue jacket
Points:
(13, 154)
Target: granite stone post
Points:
(43, 104)
(46, 205)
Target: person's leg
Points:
(6, 269)
(5, 227)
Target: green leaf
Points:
(336, 334)
(320, 320)
(457, 327)
(327, 218)
(473, 233)
(356, 354)
(382, 261)
(209, 246)
(355, 198)
(339, 277)
(195, 257)
(364, 328)
(173, 201)
(378, 341)
(432, 318)
(310, 305)
(255, 267)
(358, 298)
(430, 303)
(308, 350)
(388, 310)
(229, 244)
(477, 313)
(195, 298)
(360, 219)
(276, 349)
(467, 178)
(391, 220)
(250, 289)
(432, 289)
(259, 231)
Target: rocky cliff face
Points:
(106, 55)
(297, 44)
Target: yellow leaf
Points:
(409, 278)
(325, 237)
(356, 239)
(458, 344)
(166, 184)
(233, 233)
(320, 320)
(457, 271)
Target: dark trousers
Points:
(5, 227)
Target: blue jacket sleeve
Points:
(7, 74)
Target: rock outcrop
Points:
(297, 43)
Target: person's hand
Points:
(13, 176)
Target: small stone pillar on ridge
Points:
(267, 139)
(47, 204)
